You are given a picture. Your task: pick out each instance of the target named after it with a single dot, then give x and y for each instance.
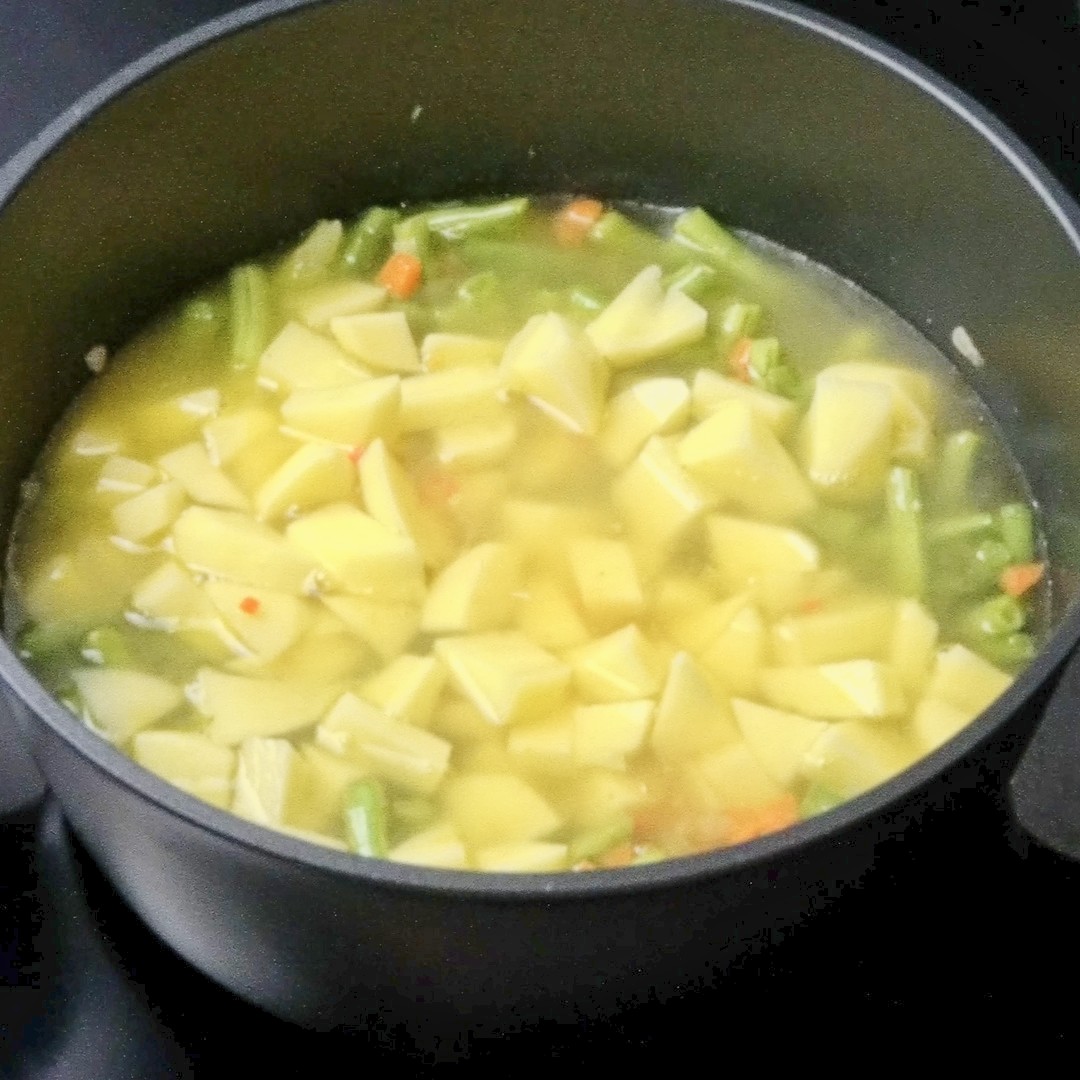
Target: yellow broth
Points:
(526, 536)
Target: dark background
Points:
(86, 993)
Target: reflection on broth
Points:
(526, 536)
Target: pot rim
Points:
(754, 856)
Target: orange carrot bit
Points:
(573, 222)
(779, 814)
(739, 359)
(357, 452)
(623, 855)
(811, 605)
(401, 275)
(437, 488)
(584, 864)
(250, 605)
(1017, 580)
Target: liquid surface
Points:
(526, 536)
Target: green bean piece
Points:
(413, 236)
(601, 838)
(1017, 525)
(456, 222)
(44, 643)
(959, 454)
(818, 800)
(647, 853)
(413, 813)
(769, 369)
(999, 615)
(904, 512)
(738, 320)
(106, 646)
(699, 230)
(249, 306)
(618, 233)
(988, 560)
(959, 527)
(695, 279)
(1009, 651)
(366, 818)
(367, 243)
(480, 287)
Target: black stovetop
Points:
(975, 944)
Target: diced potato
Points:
(498, 808)
(934, 723)
(391, 498)
(148, 514)
(344, 415)
(400, 753)
(914, 405)
(849, 689)
(190, 466)
(606, 735)
(316, 306)
(731, 779)
(313, 476)
(359, 554)
(381, 340)
(965, 680)
(264, 776)
(201, 404)
(556, 366)
(439, 847)
(447, 397)
(600, 795)
(474, 593)
(315, 254)
(438, 352)
(233, 546)
(737, 458)
(189, 760)
(460, 721)
(170, 597)
(227, 436)
(300, 359)
(386, 627)
(531, 523)
(547, 745)
(647, 408)
(711, 390)
(121, 702)
(476, 505)
(734, 650)
(407, 689)
(847, 437)
(913, 645)
(692, 715)
(854, 756)
(643, 322)
(334, 656)
(658, 501)
(745, 552)
(527, 857)
(126, 476)
(317, 793)
(606, 579)
(622, 666)
(779, 739)
(476, 445)
(546, 613)
(864, 628)
(240, 707)
(266, 621)
(505, 675)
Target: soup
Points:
(528, 535)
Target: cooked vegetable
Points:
(521, 536)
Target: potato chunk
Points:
(345, 416)
(381, 340)
(122, 702)
(498, 808)
(300, 359)
(474, 593)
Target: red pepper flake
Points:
(357, 452)
(250, 605)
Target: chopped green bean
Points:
(647, 853)
(769, 369)
(999, 615)
(818, 800)
(988, 560)
(695, 279)
(959, 527)
(367, 243)
(366, 818)
(738, 320)
(699, 230)
(959, 453)
(1009, 651)
(249, 295)
(618, 233)
(413, 236)
(1018, 531)
(904, 511)
(455, 222)
(601, 838)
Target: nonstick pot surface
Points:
(84, 984)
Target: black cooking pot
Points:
(236, 136)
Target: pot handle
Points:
(1044, 789)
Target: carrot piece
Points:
(573, 222)
(623, 855)
(811, 605)
(250, 605)
(739, 359)
(401, 275)
(436, 488)
(357, 452)
(1018, 579)
(779, 814)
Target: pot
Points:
(240, 133)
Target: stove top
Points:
(976, 925)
